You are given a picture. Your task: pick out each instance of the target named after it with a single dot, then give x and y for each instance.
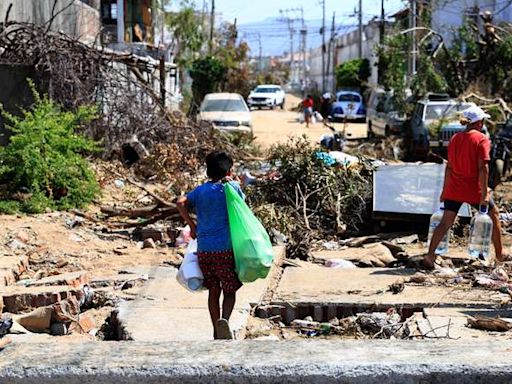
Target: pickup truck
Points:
(269, 96)
(434, 121)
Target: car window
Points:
(223, 105)
(418, 113)
(266, 90)
(349, 97)
(374, 99)
(435, 112)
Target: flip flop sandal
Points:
(223, 330)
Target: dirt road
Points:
(271, 127)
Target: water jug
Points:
(435, 219)
(480, 235)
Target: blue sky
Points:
(248, 11)
(262, 16)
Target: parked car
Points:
(348, 105)
(381, 114)
(268, 95)
(227, 112)
(434, 121)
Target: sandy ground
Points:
(277, 126)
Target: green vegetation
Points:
(207, 75)
(353, 73)
(43, 165)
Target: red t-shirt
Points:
(307, 103)
(464, 152)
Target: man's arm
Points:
(181, 204)
(483, 179)
(447, 175)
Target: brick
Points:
(18, 299)
(11, 267)
(73, 279)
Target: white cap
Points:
(474, 114)
(327, 95)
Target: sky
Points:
(249, 11)
(263, 17)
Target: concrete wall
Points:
(346, 48)
(76, 18)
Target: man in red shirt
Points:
(307, 105)
(466, 180)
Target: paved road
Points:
(277, 126)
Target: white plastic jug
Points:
(189, 275)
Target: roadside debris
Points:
(490, 324)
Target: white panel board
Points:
(412, 188)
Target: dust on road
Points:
(277, 126)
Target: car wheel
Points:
(273, 106)
(282, 104)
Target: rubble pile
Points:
(306, 197)
(121, 84)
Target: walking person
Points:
(307, 106)
(214, 249)
(466, 181)
(325, 107)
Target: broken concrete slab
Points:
(73, 279)
(19, 299)
(185, 314)
(265, 362)
(359, 287)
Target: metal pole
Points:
(292, 53)
(120, 21)
(414, 43)
(360, 29)
(323, 45)
(382, 32)
(212, 24)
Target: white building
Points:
(344, 48)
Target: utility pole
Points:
(360, 29)
(303, 33)
(290, 22)
(323, 45)
(414, 43)
(212, 24)
(329, 51)
(382, 31)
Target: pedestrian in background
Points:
(466, 181)
(307, 106)
(325, 108)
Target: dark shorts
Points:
(454, 206)
(219, 270)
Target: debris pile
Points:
(307, 199)
(121, 84)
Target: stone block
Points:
(11, 267)
(20, 299)
(73, 279)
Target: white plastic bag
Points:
(189, 275)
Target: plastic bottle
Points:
(194, 283)
(480, 235)
(435, 219)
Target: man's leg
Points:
(214, 306)
(228, 303)
(496, 233)
(437, 236)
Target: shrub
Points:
(44, 158)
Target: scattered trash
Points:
(119, 183)
(184, 237)
(5, 326)
(339, 263)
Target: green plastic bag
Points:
(251, 244)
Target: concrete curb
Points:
(369, 362)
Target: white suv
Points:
(269, 96)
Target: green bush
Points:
(44, 159)
(353, 73)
